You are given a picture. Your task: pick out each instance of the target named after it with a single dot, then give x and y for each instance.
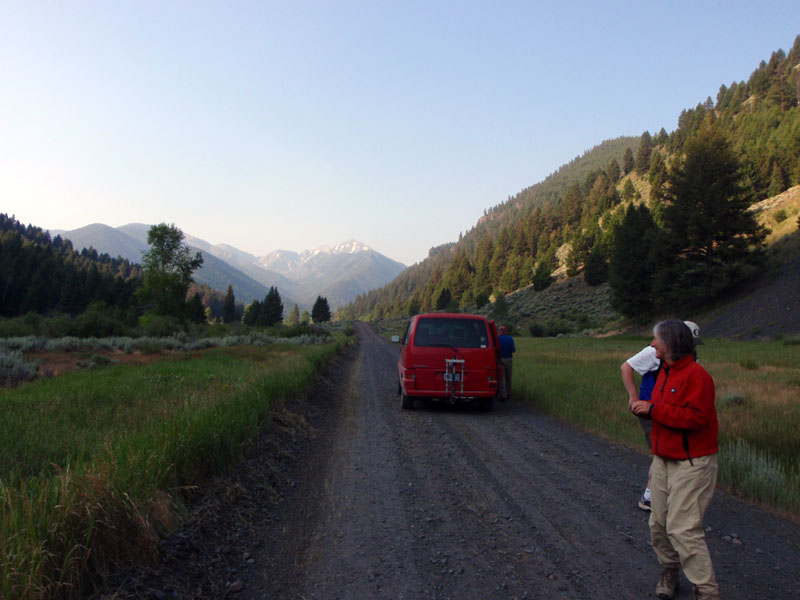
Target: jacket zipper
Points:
(666, 374)
(683, 433)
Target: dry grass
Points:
(757, 398)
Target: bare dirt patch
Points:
(52, 364)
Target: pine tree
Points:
(459, 275)
(509, 281)
(656, 176)
(627, 161)
(500, 307)
(195, 311)
(320, 312)
(71, 294)
(632, 263)
(777, 182)
(271, 309)
(543, 276)
(712, 236)
(628, 191)
(596, 271)
(572, 205)
(642, 163)
(443, 298)
(502, 251)
(613, 171)
(252, 313)
(482, 281)
(229, 310)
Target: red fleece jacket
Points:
(683, 412)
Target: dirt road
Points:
(449, 502)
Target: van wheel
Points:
(486, 404)
(406, 402)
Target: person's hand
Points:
(640, 407)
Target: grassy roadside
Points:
(95, 464)
(757, 398)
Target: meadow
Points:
(757, 399)
(96, 464)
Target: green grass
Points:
(757, 398)
(93, 464)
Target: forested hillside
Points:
(44, 275)
(691, 189)
(40, 274)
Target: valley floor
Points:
(350, 497)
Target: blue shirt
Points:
(507, 347)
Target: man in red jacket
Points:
(684, 445)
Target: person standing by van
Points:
(507, 349)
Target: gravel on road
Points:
(349, 497)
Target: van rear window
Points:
(458, 333)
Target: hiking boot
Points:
(644, 504)
(698, 595)
(665, 589)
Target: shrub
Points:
(300, 329)
(57, 327)
(99, 320)
(158, 326)
(780, 216)
(552, 328)
(536, 329)
(734, 399)
(753, 474)
(15, 327)
(13, 368)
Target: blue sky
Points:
(289, 125)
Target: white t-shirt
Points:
(644, 361)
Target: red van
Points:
(449, 357)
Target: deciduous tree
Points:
(168, 268)
(294, 316)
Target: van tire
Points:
(406, 402)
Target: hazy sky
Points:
(289, 125)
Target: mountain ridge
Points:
(339, 273)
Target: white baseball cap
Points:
(695, 329)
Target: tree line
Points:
(39, 274)
(704, 240)
(42, 275)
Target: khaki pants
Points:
(505, 382)
(680, 493)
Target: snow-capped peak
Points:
(348, 247)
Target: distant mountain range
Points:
(339, 274)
